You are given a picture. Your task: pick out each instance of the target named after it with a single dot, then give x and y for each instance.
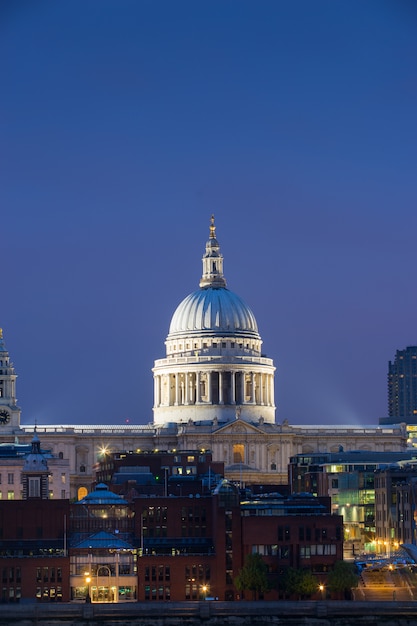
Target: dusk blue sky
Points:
(124, 124)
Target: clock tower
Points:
(9, 411)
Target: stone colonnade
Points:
(224, 387)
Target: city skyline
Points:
(124, 127)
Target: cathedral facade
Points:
(213, 390)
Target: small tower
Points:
(9, 411)
(212, 262)
(35, 473)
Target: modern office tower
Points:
(402, 384)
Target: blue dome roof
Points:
(213, 309)
(102, 495)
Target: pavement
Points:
(385, 584)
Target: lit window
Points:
(238, 453)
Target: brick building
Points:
(158, 548)
(33, 550)
(297, 532)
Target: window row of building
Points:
(98, 547)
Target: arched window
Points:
(238, 453)
(82, 492)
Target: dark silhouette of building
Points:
(402, 385)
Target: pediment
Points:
(238, 427)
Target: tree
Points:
(342, 578)
(308, 584)
(299, 582)
(253, 576)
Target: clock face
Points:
(4, 417)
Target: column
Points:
(209, 394)
(169, 395)
(253, 388)
(156, 390)
(197, 388)
(187, 389)
(221, 388)
(242, 387)
(233, 387)
(177, 388)
(183, 382)
(261, 388)
(270, 389)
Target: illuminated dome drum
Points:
(214, 369)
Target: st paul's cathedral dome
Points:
(214, 369)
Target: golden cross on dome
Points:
(212, 228)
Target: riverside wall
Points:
(212, 614)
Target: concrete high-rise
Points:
(402, 384)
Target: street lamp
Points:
(204, 590)
(321, 588)
(87, 582)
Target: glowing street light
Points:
(87, 582)
(104, 450)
